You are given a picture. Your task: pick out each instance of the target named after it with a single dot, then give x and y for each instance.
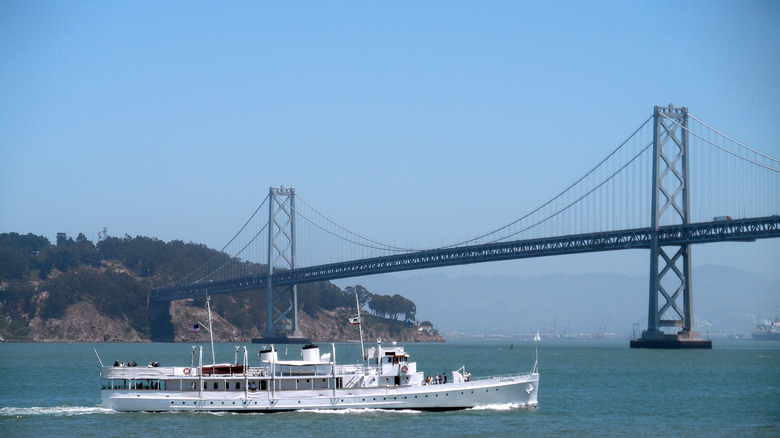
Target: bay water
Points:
(587, 388)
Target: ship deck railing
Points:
(281, 371)
(499, 377)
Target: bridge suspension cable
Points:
(741, 157)
(609, 178)
(208, 269)
(731, 139)
(377, 245)
(366, 242)
(612, 195)
(559, 195)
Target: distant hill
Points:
(571, 304)
(77, 291)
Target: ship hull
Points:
(517, 390)
(766, 336)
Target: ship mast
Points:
(360, 327)
(211, 333)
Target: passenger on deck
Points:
(116, 363)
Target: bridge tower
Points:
(670, 266)
(281, 320)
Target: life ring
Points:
(186, 371)
(404, 369)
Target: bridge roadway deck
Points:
(705, 232)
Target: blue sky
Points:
(409, 122)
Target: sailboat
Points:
(537, 338)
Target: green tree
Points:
(14, 264)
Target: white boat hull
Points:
(518, 390)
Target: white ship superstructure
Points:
(385, 380)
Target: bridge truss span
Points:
(717, 231)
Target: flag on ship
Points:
(355, 320)
(195, 328)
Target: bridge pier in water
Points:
(160, 320)
(670, 205)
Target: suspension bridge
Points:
(674, 182)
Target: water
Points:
(586, 388)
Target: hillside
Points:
(75, 291)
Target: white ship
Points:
(386, 380)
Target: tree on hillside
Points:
(87, 253)
(393, 307)
(14, 264)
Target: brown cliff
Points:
(82, 322)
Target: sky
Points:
(408, 122)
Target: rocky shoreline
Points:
(81, 322)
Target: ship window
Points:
(238, 385)
(116, 384)
(216, 385)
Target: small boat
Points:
(537, 338)
(386, 379)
